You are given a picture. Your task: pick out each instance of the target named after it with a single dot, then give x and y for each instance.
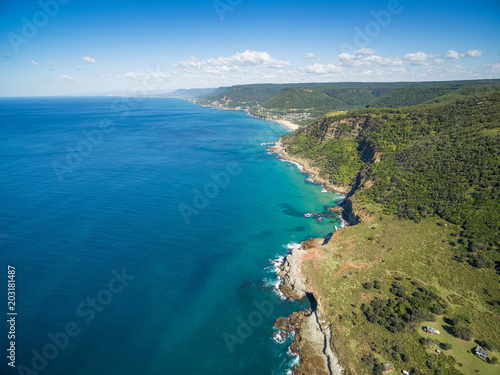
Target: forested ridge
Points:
(434, 159)
(321, 98)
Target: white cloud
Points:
(493, 67)
(365, 57)
(141, 76)
(377, 60)
(365, 51)
(366, 63)
(318, 68)
(66, 77)
(452, 55)
(474, 53)
(311, 57)
(33, 62)
(418, 58)
(89, 60)
(257, 67)
(224, 64)
(398, 70)
(192, 62)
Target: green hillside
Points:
(413, 95)
(244, 95)
(433, 93)
(441, 160)
(302, 98)
(356, 97)
(321, 98)
(425, 184)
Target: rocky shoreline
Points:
(345, 209)
(313, 337)
(280, 150)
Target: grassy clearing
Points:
(493, 132)
(334, 113)
(385, 248)
(461, 350)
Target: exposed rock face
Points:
(354, 215)
(338, 209)
(313, 338)
(293, 285)
(293, 282)
(283, 324)
(314, 344)
(345, 128)
(348, 213)
(313, 334)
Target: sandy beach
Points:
(290, 125)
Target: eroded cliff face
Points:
(313, 337)
(353, 214)
(344, 128)
(313, 148)
(312, 342)
(350, 128)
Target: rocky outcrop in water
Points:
(313, 335)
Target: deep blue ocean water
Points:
(143, 230)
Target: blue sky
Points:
(61, 47)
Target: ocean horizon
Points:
(145, 232)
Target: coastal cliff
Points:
(408, 176)
(309, 167)
(313, 338)
(417, 228)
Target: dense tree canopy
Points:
(440, 159)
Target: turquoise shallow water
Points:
(93, 188)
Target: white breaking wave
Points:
(275, 264)
(343, 223)
(291, 354)
(299, 166)
(279, 337)
(275, 286)
(296, 360)
(293, 245)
